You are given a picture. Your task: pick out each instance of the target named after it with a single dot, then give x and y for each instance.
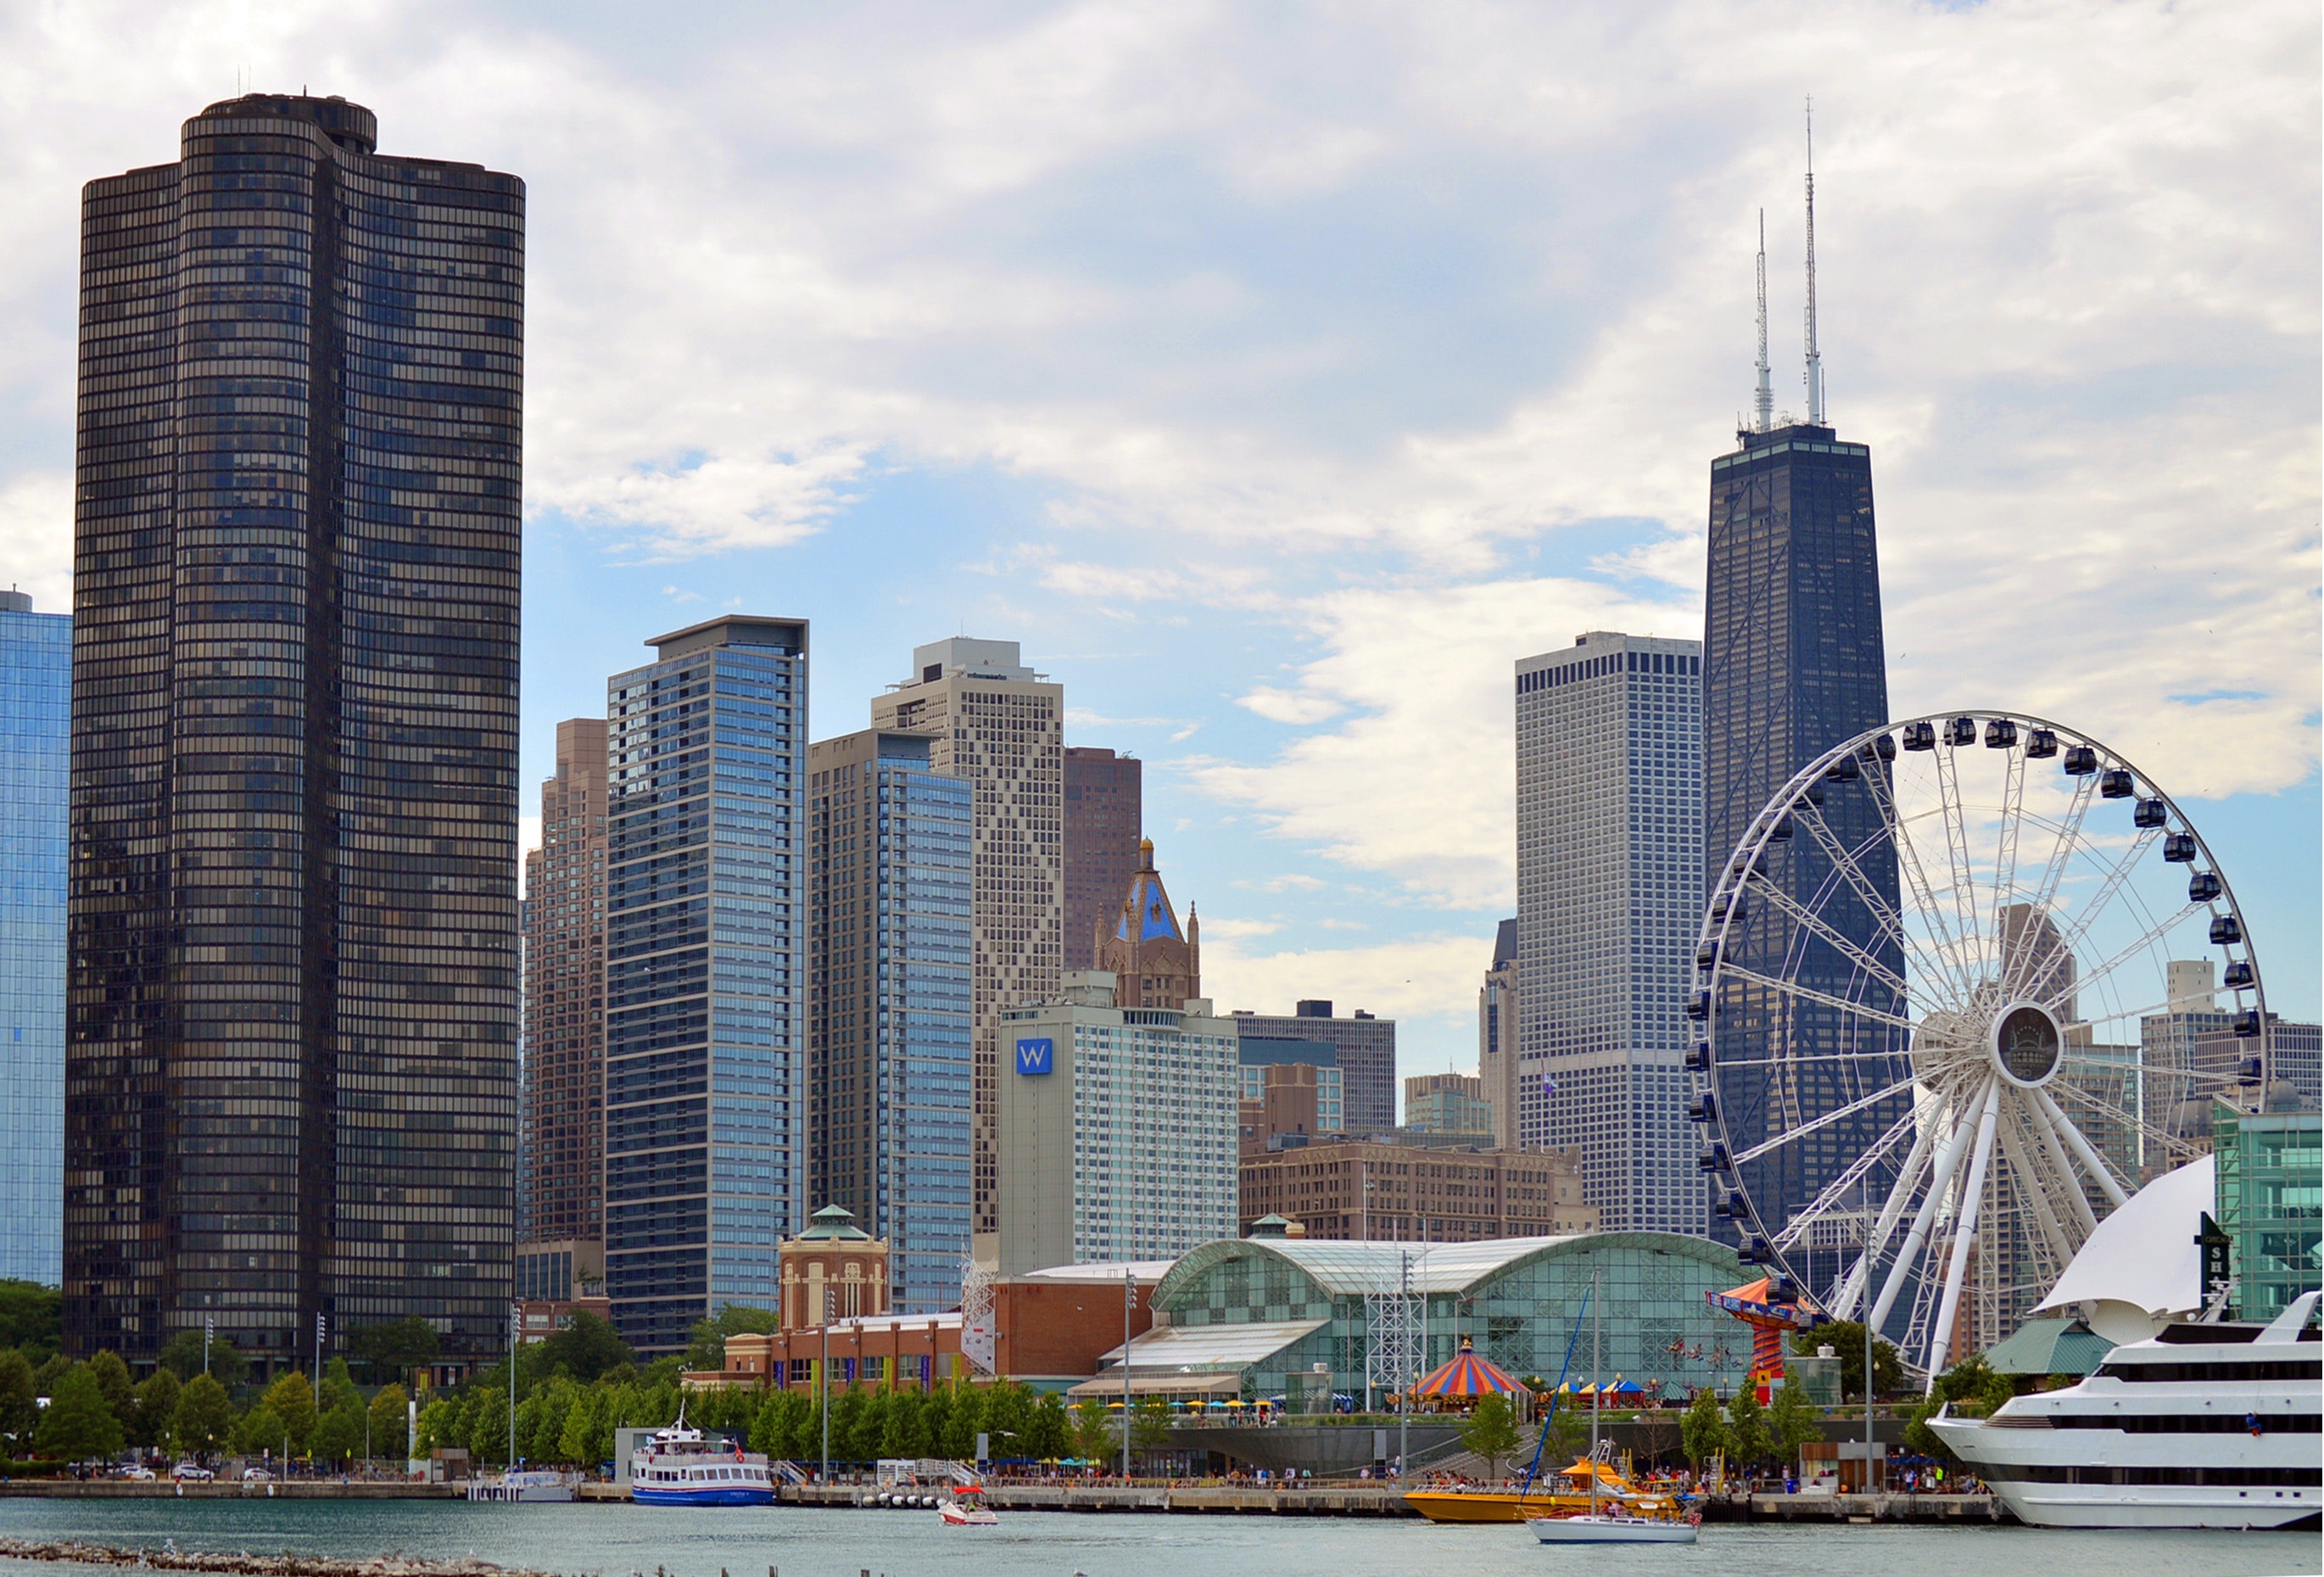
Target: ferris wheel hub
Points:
(2028, 1043)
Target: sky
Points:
(1279, 375)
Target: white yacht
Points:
(2203, 1426)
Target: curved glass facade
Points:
(291, 1074)
(1519, 1300)
(35, 749)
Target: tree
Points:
(46, 1378)
(708, 1349)
(1150, 1429)
(182, 1356)
(1049, 1436)
(77, 1423)
(488, 1426)
(157, 1404)
(439, 1425)
(1794, 1421)
(1972, 1386)
(780, 1429)
(1846, 1338)
(291, 1401)
(204, 1417)
(112, 1378)
(1093, 1429)
(1747, 1428)
(1703, 1431)
(587, 1350)
(395, 1346)
(1007, 1415)
(390, 1421)
(1490, 1431)
(20, 1414)
(904, 1433)
(31, 1318)
(338, 1432)
(964, 1420)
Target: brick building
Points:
(1362, 1189)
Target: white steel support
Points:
(1965, 1230)
(1948, 1160)
(2091, 1161)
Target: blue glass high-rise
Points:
(35, 762)
(705, 975)
(890, 998)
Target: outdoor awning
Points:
(2050, 1347)
(1168, 1349)
(1466, 1375)
(1107, 1387)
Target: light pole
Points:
(822, 1375)
(516, 1332)
(1128, 1302)
(1864, 1308)
(210, 1330)
(1404, 1402)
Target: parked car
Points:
(139, 1471)
(192, 1470)
(256, 1476)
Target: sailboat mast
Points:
(1597, 1389)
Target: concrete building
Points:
(1116, 1131)
(1499, 1013)
(1366, 1050)
(1368, 1190)
(290, 1081)
(1104, 812)
(562, 1189)
(705, 975)
(891, 1051)
(1000, 726)
(35, 773)
(1609, 896)
(1288, 1065)
(1447, 1104)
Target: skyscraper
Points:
(291, 1075)
(1792, 664)
(1497, 1017)
(564, 1189)
(1000, 726)
(1104, 813)
(1367, 1052)
(891, 1069)
(35, 760)
(1610, 895)
(705, 975)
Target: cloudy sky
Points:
(1277, 374)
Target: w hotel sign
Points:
(1037, 1057)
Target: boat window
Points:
(2274, 1369)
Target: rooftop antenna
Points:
(1815, 357)
(1763, 403)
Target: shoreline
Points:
(241, 1564)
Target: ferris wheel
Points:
(1967, 983)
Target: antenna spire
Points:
(1815, 357)
(1762, 402)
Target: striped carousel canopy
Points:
(1467, 1375)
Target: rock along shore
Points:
(243, 1564)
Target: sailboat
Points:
(1613, 1525)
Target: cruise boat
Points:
(678, 1467)
(2206, 1424)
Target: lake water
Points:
(616, 1540)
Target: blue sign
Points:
(1035, 1056)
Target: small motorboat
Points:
(1612, 1528)
(965, 1510)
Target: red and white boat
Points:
(963, 1509)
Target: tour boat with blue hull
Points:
(678, 1467)
(2207, 1424)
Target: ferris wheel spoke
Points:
(1811, 1058)
(1835, 1193)
(1839, 943)
(1947, 1161)
(1843, 861)
(2054, 1153)
(1962, 977)
(2083, 1150)
(2116, 878)
(2004, 863)
(1810, 994)
(2142, 944)
(2068, 839)
(1972, 1194)
(2031, 1182)
(1957, 859)
(1817, 1124)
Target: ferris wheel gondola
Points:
(1956, 995)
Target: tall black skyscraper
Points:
(1793, 664)
(292, 1065)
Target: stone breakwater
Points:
(243, 1564)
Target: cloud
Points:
(36, 512)
(1289, 706)
(1425, 976)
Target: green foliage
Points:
(291, 1401)
(389, 1422)
(487, 1418)
(964, 1418)
(586, 1350)
(393, 1346)
(1149, 1428)
(1973, 1389)
(338, 1435)
(708, 1350)
(260, 1432)
(77, 1423)
(31, 1318)
(20, 1414)
(46, 1378)
(1050, 1434)
(182, 1356)
(780, 1427)
(157, 1407)
(905, 1431)
(1792, 1421)
(1490, 1431)
(1094, 1431)
(846, 1423)
(1846, 1337)
(439, 1425)
(1747, 1429)
(203, 1419)
(112, 1378)
(1007, 1416)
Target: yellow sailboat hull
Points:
(1509, 1506)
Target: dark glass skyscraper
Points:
(291, 1076)
(1793, 664)
(705, 975)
